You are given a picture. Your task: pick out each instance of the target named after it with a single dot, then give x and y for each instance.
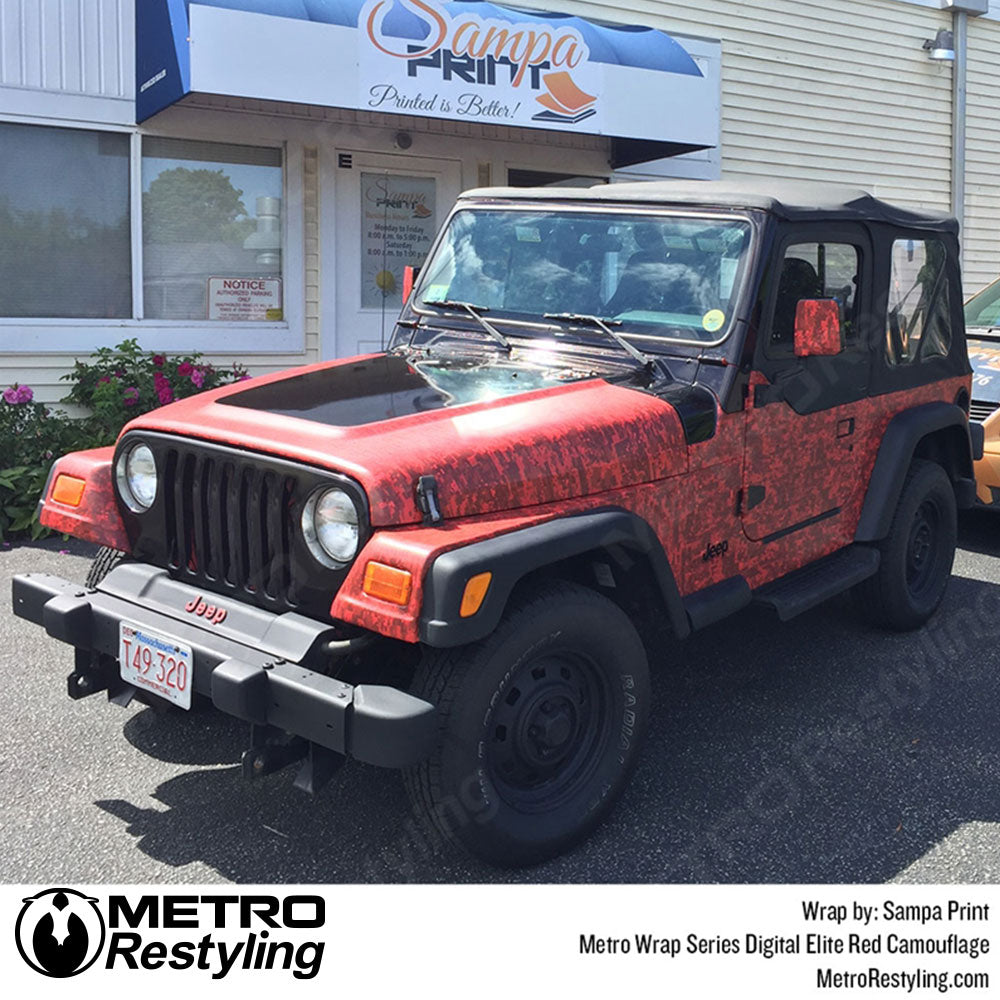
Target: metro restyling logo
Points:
(61, 932)
(471, 48)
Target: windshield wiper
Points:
(475, 312)
(583, 319)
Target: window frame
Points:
(839, 233)
(920, 359)
(63, 335)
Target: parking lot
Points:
(815, 751)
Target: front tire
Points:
(917, 554)
(539, 726)
(103, 563)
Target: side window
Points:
(815, 271)
(918, 325)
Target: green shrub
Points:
(32, 437)
(114, 386)
(117, 384)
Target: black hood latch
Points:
(427, 500)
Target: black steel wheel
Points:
(917, 554)
(539, 726)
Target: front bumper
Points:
(250, 667)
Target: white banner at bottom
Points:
(490, 941)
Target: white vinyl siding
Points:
(68, 59)
(839, 92)
(982, 177)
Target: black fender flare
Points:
(509, 557)
(899, 443)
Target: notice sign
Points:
(397, 225)
(242, 299)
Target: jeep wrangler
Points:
(606, 418)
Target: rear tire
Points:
(104, 562)
(539, 726)
(917, 554)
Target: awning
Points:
(654, 95)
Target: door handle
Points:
(845, 428)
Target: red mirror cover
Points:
(817, 328)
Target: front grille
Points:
(979, 410)
(227, 521)
(230, 523)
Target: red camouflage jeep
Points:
(607, 417)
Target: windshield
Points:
(667, 277)
(983, 310)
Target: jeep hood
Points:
(496, 436)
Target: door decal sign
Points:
(398, 222)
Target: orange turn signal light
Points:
(475, 593)
(387, 583)
(68, 490)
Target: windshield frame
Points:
(651, 342)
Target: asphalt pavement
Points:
(819, 750)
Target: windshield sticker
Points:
(713, 320)
(435, 293)
(527, 234)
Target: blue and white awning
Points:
(465, 61)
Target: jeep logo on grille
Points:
(198, 606)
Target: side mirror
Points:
(410, 274)
(817, 328)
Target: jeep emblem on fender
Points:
(198, 606)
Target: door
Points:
(805, 415)
(388, 210)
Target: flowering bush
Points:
(32, 437)
(117, 384)
(114, 385)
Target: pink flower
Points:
(18, 394)
(243, 378)
(119, 374)
(185, 368)
(131, 396)
(198, 377)
(158, 360)
(103, 379)
(165, 395)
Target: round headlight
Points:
(136, 475)
(330, 526)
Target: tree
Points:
(194, 206)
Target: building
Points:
(246, 178)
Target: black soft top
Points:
(792, 200)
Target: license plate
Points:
(155, 663)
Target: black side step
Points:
(805, 588)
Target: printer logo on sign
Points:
(479, 67)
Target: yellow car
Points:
(982, 327)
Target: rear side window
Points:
(918, 325)
(815, 271)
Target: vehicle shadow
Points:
(820, 750)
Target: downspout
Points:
(959, 101)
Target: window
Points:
(918, 325)
(815, 271)
(64, 223)
(211, 231)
